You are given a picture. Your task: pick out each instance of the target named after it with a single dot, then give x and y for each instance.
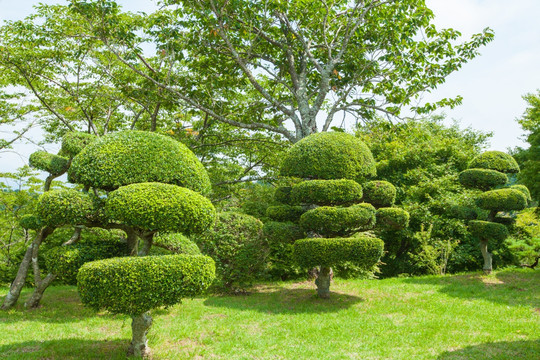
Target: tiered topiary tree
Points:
(333, 166)
(487, 172)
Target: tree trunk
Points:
(35, 299)
(323, 282)
(487, 257)
(139, 328)
(148, 240)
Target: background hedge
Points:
(281, 237)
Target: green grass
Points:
(453, 317)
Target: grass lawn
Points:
(452, 317)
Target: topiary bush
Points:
(502, 200)
(524, 190)
(487, 230)
(379, 193)
(392, 219)
(64, 207)
(281, 237)
(283, 195)
(329, 155)
(54, 164)
(284, 212)
(73, 142)
(129, 157)
(338, 221)
(483, 179)
(495, 160)
(327, 192)
(237, 245)
(176, 243)
(30, 222)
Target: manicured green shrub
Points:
(461, 212)
(134, 285)
(362, 251)
(486, 230)
(176, 243)
(483, 179)
(284, 212)
(73, 142)
(495, 160)
(392, 218)
(129, 157)
(338, 221)
(237, 245)
(283, 195)
(523, 189)
(30, 222)
(64, 207)
(379, 193)
(281, 237)
(502, 200)
(160, 207)
(327, 192)
(54, 164)
(329, 155)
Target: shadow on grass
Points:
(504, 350)
(66, 349)
(508, 287)
(280, 300)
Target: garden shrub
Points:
(30, 222)
(176, 243)
(487, 230)
(284, 212)
(73, 142)
(54, 164)
(502, 200)
(64, 207)
(327, 192)
(338, 221)
(483, 179)
(390, 218)
(379, 193)
(283, 195)
(524, 190)
(495, 160)
(281, 237)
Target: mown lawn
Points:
(453, 317)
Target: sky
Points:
(492, 84)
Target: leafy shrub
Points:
(486, 230)
(283, 195)
(392, 218)
(495, 160)
(327, 192)
(161, 207)
(73, 142)
(284, 212)
(64, 207)
(176, 243)
(338, 221)
(53, 164)
(363, 251)
(236, 244)
(379, 193)
(129, 157)
(329, 155)
(281, 237)
(134, 285)
(502, 200)
(523, 189)
(483, 179)
(30, 222)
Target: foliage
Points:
(176, 243)
(487, 230)
(64, 207)
(53, 164)
(285, 212)
(523, 189)
(379, 193)
(327, 192)
(502, 200)
(160, 207)
(237, 245)
(390, 218)
(495, 160)
(482, 179)
(73, 142)
(134, 285)
(281, 237)
(30, 222)
(283, 195)
(338, 221)
(329, 156)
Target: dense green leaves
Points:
(73, 142)
(486, 230)
(379, 193)
(338, 221)
(495, 160)
(327, 192)
(392, 219)
(502, 200)
(54, 164)
(285, 212)
(64, 207)
(482, 179)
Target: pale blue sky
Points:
(491, 85)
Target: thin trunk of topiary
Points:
(35, 299)
(487, 257)
(323, 282)
(140, 324)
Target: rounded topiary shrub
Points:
(73, 142)
(502, 200)
(160, 207)
(362, 251)
(134, 285)
(495, 160)
(64, 207)
(237, 245)
(327, 192)
(54, 164)
(283, 195)
(129, 157)
(524, 190)
(281, 237)
(338, 221)
(284, 212)
(329, 155)
(176, 243)
(379, 193)
(392, 218)
(483, 179)
(486, 230)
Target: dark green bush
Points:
(134, 285)
(486, 230)
(392, 218)
(160, 207)
(283, 195)
(237, 245)
(338, 221)
(30, 222)
(53, 164)
(284, 212)
(329, 155)
(379, 193)
(64, 207)
(176, 243)
(502, 200)
(495, 160)
(129, 157)
(73, 142)
(523, 189)
(483, 179)
(281, 237)
(327, 192)
(362, 251)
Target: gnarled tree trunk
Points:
(35, 299)
(323, 282)
(487, 257)
(140, 324)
